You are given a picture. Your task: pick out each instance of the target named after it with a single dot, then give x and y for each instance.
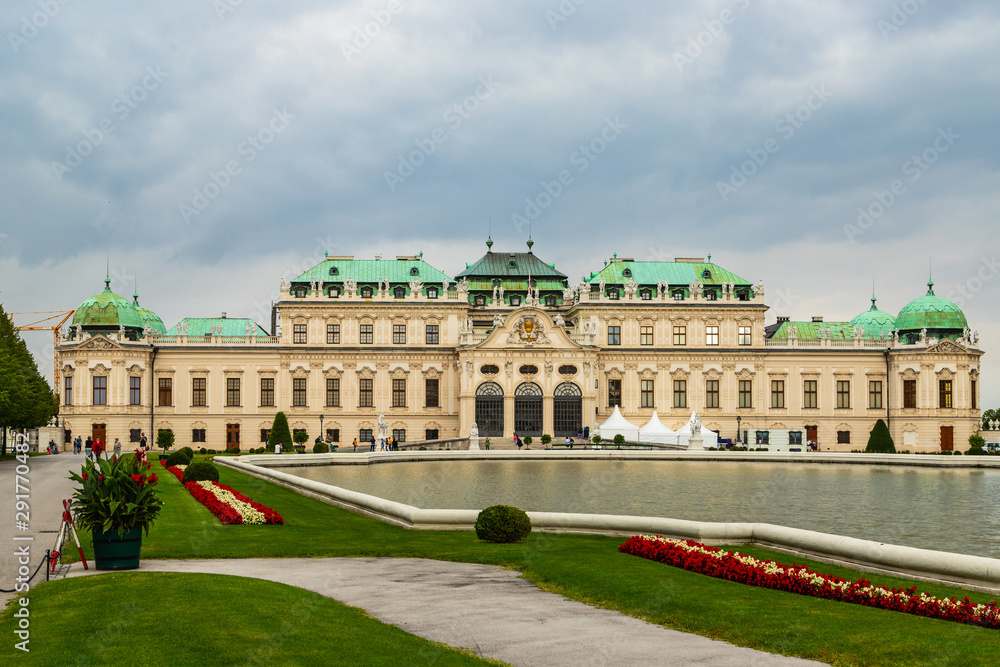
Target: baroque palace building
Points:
(511, 344)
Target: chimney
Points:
(817, 318)
(783, 318)
(223, 314)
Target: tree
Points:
(596, 440)
(26, 399)
(164, 439)
(880, 441)
(527, 442)
(976, 444)
(989, 415)
(546, 439)
(279, 432)
(619, 439)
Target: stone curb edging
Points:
(973, 572)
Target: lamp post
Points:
(322, 434)
(738, 419)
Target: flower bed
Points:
(734, 566)
(231, 506)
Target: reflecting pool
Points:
(947, 510)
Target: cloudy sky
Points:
(209, 147)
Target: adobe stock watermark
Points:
(223, 7)
(581, 158)
(562, 12)
(363, 35)
(914, 168)
(786, 127)
(899, 17)
(121, 107)
(963, 293)
(250, 149)
(454, 116)
(31, 25)
(714, 29)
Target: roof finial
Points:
(489, 236)
(530, 242)
(135, 290)
(873, 294)
(709, 258)
(107, 274)
(930, 277)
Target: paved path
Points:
(48, 486)
(484, 608)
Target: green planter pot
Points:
(117, 553)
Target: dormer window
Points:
(511, 264)
(515, 300)
(399, 293)
(414, 271)
(645, 295)
(550, 302)
(366, 292)
(706, 274)
(432, 292)
(613, 294)
(627, 273)
(300, 292)
(334, 292)
(743, 295)
(710, 295)
(479, 300)
(334, 271)
(678, 295)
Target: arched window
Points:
(489, 389)
(567, 390)
(529, 390)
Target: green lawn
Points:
(588, 568)
(159, 618)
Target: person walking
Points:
(77, 445)
(118, 448)
(98, 448)
(372, 448)
(89, 448)
(355, 444)
(517, 441)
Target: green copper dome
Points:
(105, 312)
(877, 323)
(146, 316)
(931, 312)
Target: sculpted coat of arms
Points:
(528, 331)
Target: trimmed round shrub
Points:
(188, 451)
(502, 524)
(321, 448)
(619, 439)
(202, 451)
(200, 471)
(232, 450)
(178, 458)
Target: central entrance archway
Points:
(489, 410)
(528, 409)
(567, 410)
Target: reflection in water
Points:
(947, 510)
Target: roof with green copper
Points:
(838, 330)
(675, 273)
(372, 270)
(875, 322)
(511, 265)
(148, 317)
(231, 326)
(107, 309)
(931, 312)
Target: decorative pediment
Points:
(134, 369)
(67, 369)
(366, 373)
(679, 374)
(100, 369)
(99, 342)
(745, 374)
(432, 426)
(909, 374)
(945, 374)
(945, 347)
(777, 425)
(843, 427)
(528, 330)
(432, 372)
(614, 374)
(400, 373)
(909, 428)
(332, 372)
(300, 372)
(649, 374)
(712, 374)
(201, 425)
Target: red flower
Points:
(85, 477)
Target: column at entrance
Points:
(548, 425)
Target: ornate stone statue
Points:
(468, 324)
(444, 287)
(559, 321)
(631, 287)
(249, 328)
(463, 286)
(695, 424)
(121, 332)
(548, 368)
(147, 331)
(923, 335)
(79, 332)
(285, 285)
(416, 287)
(496, 293)
(474, 431)
(600, 285)
(758, 289)
(383, 427)
(500, 290)
(568, 296)
(497, 320)
(350, 287)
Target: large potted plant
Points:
(116, 501)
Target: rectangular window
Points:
(875, 394)
(972, 396)
(298, 392)
(364, 435)
(810, 397)
(763, 437)
(299, 336)
(199, 394)
(68, 389)
(367, 334)
(166, 391)
(233, 392)
(843, 437)
(333, 392)
(614, 393)
(795, 437)
(909, 393)
(431, 335)
(333, 435)
(680, 335)
(431, 434)
(711, 335)
(777, 393)
(100, 390)
(333, 334)
(135, 391)
(711, 393)
(843, 393)
(365, 393)
(944, 393)
(197, 435)
(614, 335)
(398, 393)
(399, 334)
(134, 434)
(399, 435)
(646, 335)
(431, 396)
(680, 393)
(646, 399)
(745, 335)
(746, 393)
(265, 433)
(267, 392)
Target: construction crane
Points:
(46, 324)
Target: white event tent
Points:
(616, 424)
(655, 431)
